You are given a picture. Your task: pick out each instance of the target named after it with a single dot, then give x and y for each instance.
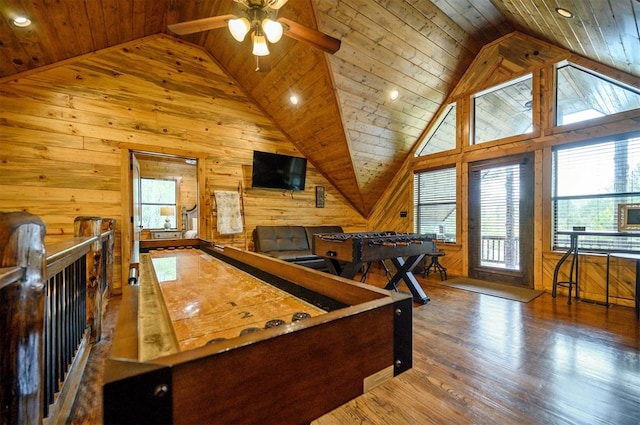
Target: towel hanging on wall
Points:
(229, 213)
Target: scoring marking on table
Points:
(207, 299)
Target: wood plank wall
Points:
(66, 131)
(231, 170)
(508, 58)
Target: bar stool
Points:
(435, 264)
(572, 282)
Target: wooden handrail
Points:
(9, 275)
(63, 253)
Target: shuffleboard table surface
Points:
(207, 299)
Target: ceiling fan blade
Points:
(315, 38)
(276, 4)
(198, 25)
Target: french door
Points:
(501, 221)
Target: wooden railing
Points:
(65, 320)
(50, 309)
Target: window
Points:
(443, 137)
(503, 111)
(434, 198)
(589, 181)
(157, 194)
(582, 95)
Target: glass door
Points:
(501, 220)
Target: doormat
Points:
(523, 295)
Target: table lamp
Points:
(167, 212)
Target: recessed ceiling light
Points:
(191, 161)
(393, 95)
(565, 13)
(21, 22)
(294, 99)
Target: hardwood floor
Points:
(485, 360)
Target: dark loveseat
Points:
(291, 243)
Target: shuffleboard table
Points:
(353, 338)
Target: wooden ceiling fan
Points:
(259, 18)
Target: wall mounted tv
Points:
(276, 171)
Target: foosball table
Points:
(345, 253)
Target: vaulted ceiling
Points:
(345, 124)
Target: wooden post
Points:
(109, 224)
(92, 226)
(22, 319)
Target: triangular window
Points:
(443, 137)
(583, 95)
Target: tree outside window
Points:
(156, 194)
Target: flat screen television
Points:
(276, 171)
(628, 217)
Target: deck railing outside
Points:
(497, 251)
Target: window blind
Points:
(500, 217)
(434, 194)
(589, 181)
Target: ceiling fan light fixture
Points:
(239, 28)
(260, 47)
(257, 18)
(273, 30)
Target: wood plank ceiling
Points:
(345, 124)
